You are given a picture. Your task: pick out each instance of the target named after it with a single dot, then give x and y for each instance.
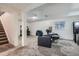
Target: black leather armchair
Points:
(44, 41)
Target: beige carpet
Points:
(5, 47)
(60, 48)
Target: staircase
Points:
(3, 37)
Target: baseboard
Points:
(66, 39)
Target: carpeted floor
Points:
(5, 47)
(60, 48)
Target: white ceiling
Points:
(52, 11)
(18, 7)
(42, 11)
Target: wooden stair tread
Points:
(3, 38)
(2, 32)
(1, 29)
(3, 42)
(2, 35)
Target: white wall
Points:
(66, 33)
(11, 26)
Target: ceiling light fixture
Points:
(34, 17)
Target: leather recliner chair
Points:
(44, 41)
